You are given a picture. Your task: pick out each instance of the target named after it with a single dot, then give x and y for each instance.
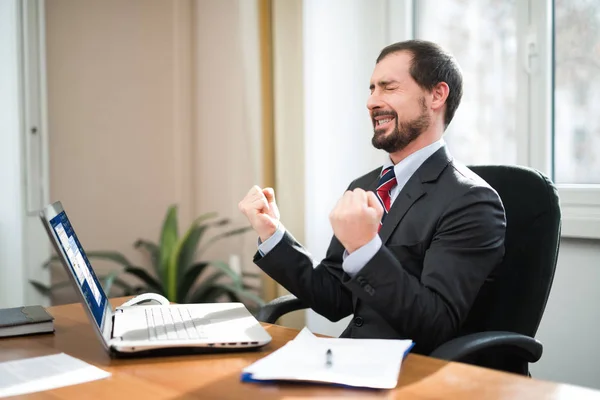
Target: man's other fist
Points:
(260, 208)
(355, 218)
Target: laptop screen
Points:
(80, 267)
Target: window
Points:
(485, 46)
(577, 91)
(532, 85)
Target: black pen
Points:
(328, 356)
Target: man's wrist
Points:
(267, 235)
(265, 246)
(354, 262)
(351, 248)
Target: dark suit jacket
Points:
(442, 238)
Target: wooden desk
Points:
(218, 376)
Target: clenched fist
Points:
(355, 218)
(260, 208)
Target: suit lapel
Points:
(414, 189)
(410, 193)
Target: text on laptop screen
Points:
(80, 266)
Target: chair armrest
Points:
(274, 309)
(525, 347)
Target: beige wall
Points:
(151, 103)
(227, 105)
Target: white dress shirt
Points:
(354, 262)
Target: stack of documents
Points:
(369, 363)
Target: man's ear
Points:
(439, 95)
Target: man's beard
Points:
(404, 132)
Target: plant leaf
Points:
(127, 288)
(189, 247)
(209, 297)
(51, 261)
(205, 286)
(235, 278)
(113, 256)
(223, 235)
(148, 279)
(241, 293)
(206, 216)
(185, 253)
(153, 250)
(189, 278)
(47, 290)
(193, 237)
(192, 274)
(139, 289)
(43, 289)
(233, 298)
(109, 280)
(168, 241)
(221, 222)
(172, 269)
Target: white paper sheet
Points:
(43, 373)
(373, 363)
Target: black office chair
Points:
(500, 328)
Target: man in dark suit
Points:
(415, 239)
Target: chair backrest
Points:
(514, 297)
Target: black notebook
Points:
(25, 321)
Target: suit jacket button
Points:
(369, 289)
(358, 321)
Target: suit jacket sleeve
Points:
(320, 288)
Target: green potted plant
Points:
(175, 266)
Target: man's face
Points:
(397, 105)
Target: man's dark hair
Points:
(430, 66)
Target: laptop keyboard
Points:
(173, 323)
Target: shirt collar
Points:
(407, 167)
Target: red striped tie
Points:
(387, 181)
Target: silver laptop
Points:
(163, 329)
